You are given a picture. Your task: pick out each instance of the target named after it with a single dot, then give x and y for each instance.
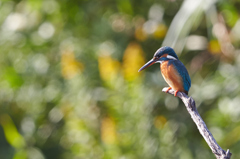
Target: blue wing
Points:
(183, 73)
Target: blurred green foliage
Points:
(69, 86)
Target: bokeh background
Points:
(69, 86)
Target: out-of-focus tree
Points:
(69, 86)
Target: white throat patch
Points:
(158, 61)
(171, 57)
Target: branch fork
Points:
(207, 135)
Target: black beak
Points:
(149, 63)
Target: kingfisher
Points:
(172, 69)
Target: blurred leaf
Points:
(230, 13)
(13, 78)
(125, 6)
(11, 133)
(20, 155)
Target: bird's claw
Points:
(175, 94)
(168, 89)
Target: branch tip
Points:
(207, 135)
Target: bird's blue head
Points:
(163, 54)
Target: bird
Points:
(173, 70)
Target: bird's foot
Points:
(168, 89)
(175, 94)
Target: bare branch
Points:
(207, 135)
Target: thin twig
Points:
(207, 135)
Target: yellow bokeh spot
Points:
(133, 60)
(108, 131)
(108, 67)
(70, 66)
(214, 47)
(160, 32)
(12, 135)
(140, 34)
(159, 122)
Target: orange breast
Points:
(172, 77)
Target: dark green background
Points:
(69, 86)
